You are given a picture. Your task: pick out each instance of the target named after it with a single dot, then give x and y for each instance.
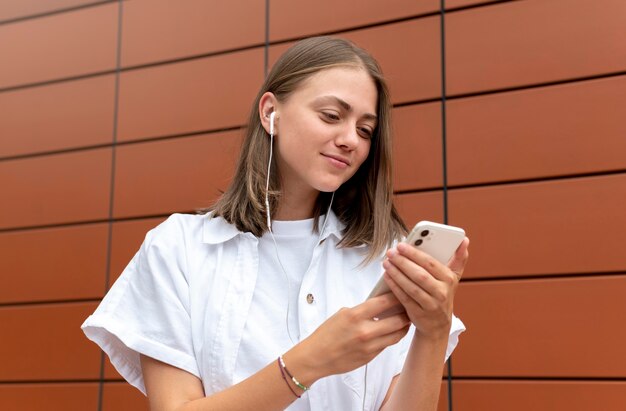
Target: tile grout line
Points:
(472, 378)
(49, 13)
(597, 275)
(152, 139)
(110, 219)
(365, 26)
(425, 190)
(266, 47)
(442, 41)
(486, 93)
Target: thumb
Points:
(459, 259)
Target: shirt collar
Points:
(333, 227)
(216, 230)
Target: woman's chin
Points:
(328, 187)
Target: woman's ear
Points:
(267, 106)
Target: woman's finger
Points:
(385, 341)
(414, 272)
(407, 292)
(428, 263)
(391, 323)
(376, 305)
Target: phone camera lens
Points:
(424, 233)
(419, 242)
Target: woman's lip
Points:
(338, 159)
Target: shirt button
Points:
(310, 298)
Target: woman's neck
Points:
(296, 207)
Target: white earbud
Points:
(272, 115)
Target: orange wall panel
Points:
(550, 227)
(45, 342)
(533, 41)
(127, 237)
(409, 53)
(156, 30)
(291, 19)
(198, 95)
(59, 46)
(53, 264)
(58, 116)
(417, 147)
(419, 206)
(56, 396)
(494, 395)
(542, 328)
(118, 396)
(59, 188)
(549, 131)
(19, 9)
(180, 174)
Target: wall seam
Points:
(266, 46)
(39, 303)
(601, 275)
(110, 220)
(530, 180)
(501, 90)
(442, 40)
(22, 19)
(141, 140)
(485, 93)
(357, 27)
(554, 179)
(215, 53)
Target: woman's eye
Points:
(330, 116)
(366, 132)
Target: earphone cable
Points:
(319, 238)
(364, 386)
(269, 227)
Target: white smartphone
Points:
(438, 240)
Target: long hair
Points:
(364, 202)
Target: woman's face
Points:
(324, 130)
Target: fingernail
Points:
(391, 253)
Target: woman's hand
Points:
(349, 339)
(425, 287)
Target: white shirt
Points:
(188, 294)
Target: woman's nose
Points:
(348, 137)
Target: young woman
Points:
(244, 307)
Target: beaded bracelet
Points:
(282, 372)
(284, 367)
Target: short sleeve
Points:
(147, 310)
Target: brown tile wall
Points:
(98, 131)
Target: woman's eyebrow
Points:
(343, 104)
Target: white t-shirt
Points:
(276, 300)
(196, 296)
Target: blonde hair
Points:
(364, 202)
